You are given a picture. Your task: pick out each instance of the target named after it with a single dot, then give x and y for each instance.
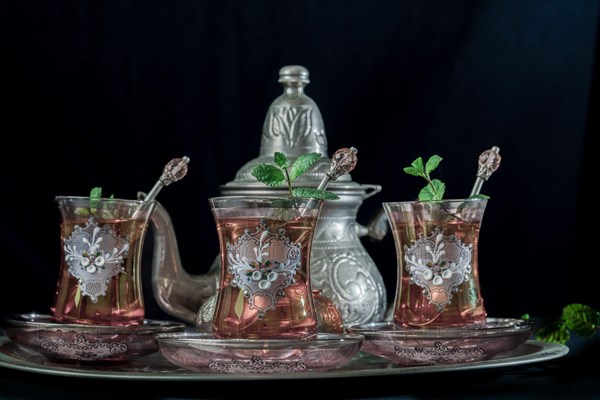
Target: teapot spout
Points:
(377, 227)
(177, 292)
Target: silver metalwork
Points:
(488, 163)
(342, 162)
(175, 170)
(154, 367)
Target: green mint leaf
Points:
(95, 196)
(440, 189)
(412, 171)
(302, 164)
(432, 163)
(315, 193)
(268, 174)
(583, 320)
(435, 188)
(426, 194)
(418, 166)
(556, 333)
(96, 193)
(525, 316)
(82, 212)
(480, 196)
(275, 175)
(429, 193)
(280, 160)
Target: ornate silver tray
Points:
(155, 367)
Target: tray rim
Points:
(543, 351)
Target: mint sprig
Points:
(286, 171)
(434, 190)
(579, 319)
(95, 196)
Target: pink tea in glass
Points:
(101, 248)
(264, 289)
(437, 258)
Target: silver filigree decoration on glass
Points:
(94, 254)
(439, 352)
(263, 263)
(439, 264)
(83, 349)
(256, 365)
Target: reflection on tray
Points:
(156, 367)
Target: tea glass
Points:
(99, 280)
(264, 287)
(437, 262)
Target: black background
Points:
(104, 93)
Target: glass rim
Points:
(257, 202)
(454, 200)
(262, 198)
(101, 199)
(258, 196)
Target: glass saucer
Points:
(201, 352)
(90, 344)
(419, 346)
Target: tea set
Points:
(292, 289)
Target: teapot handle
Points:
(374, 189)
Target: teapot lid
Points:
(293, 126)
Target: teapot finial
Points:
(294, 74)
(293, 124)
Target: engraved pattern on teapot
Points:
(289, 124)
(345, 272)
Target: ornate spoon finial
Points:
(342, 161)
(488, 163)
(175, 170)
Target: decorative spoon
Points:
(488, 163)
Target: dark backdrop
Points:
(104, 93)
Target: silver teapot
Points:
(341, 269)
